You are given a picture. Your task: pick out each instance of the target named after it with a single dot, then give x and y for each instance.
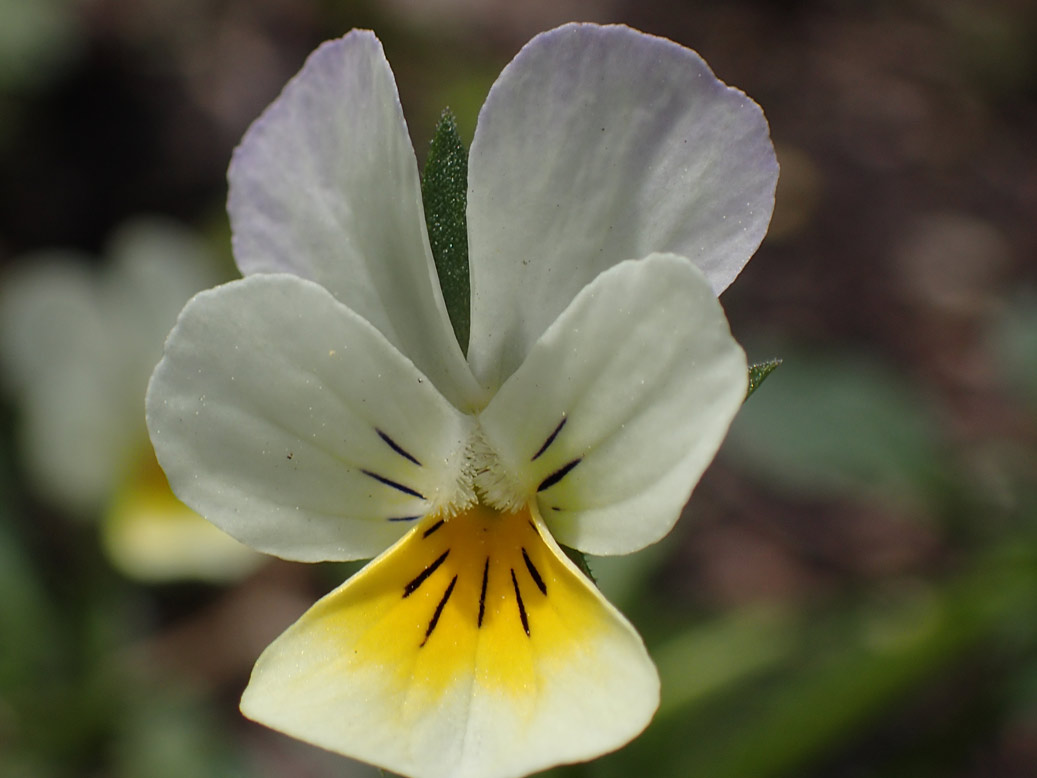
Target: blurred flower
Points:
(322, 409)
(77, 348)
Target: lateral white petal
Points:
(621, 405)
(325, 186)
(596, 145)
(472, 649)
(290, 422)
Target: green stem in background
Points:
(756, 694)
(444, 190)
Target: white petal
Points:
(291, 423)
(325, 186)
(621, 405)
(596, 145)
(472, 649)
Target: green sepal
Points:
(758, 374)
(444, 190)
(579, 559)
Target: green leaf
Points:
(840, 425)
(579, 559)
(444, 190)
(872, 668)
(758, 374)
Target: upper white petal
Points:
(596, 145)
(644, 372)
(325, 186)
(290, 422)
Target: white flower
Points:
(77, 348)
(321, 408)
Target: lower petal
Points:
(473, 647)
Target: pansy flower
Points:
(76, 349)
(322, 408)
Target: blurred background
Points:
(853, 589)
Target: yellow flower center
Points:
(482, 589)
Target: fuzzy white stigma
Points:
(481, 478)
(495, 485)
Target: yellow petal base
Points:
(472, 647)
(479, 590)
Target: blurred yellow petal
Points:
(150, 535)
(473, 647)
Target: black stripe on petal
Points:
(421, 577)
(396, 447)
(534, 573)
(433, 528)
(550, 440)
(394, 484)
(482, 594)
(521, 607)
(558, 475)
(439, 610)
